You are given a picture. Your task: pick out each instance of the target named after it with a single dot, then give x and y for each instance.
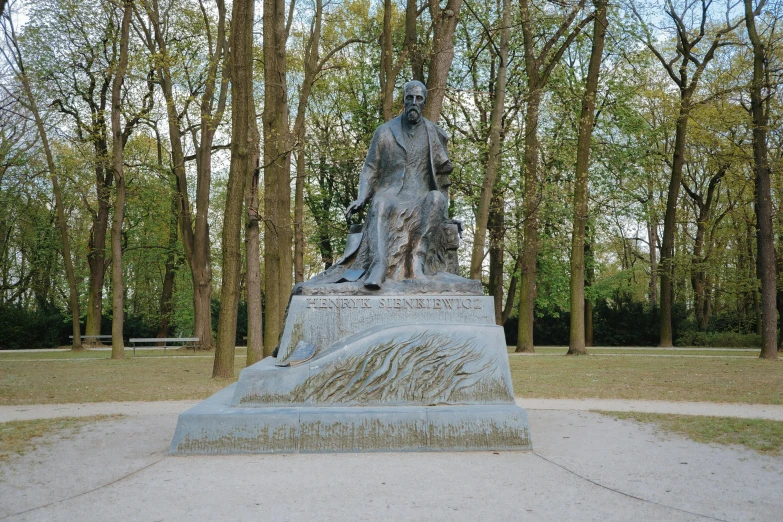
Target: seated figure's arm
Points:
(368, 177)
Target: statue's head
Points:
(414, 95)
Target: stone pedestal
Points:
(389, 373)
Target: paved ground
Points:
(585, 466)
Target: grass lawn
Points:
(635, 350)
(18, 437)
(764, 436)
(12, 355)
(90, 376)
(676, 378)
(91, 379)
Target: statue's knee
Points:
(380, 203)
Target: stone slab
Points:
(390, 365)
(443, 283)
(325, 320)
(214, 427)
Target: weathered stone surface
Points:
(409, 364)
(460, 428)
(335, 430)
(214, 427)
(325, 320)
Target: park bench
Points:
(94, 338)
(193, 341)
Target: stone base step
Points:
(214, 427)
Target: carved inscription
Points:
(325, 303)
(396, 303)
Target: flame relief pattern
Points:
(424, 369)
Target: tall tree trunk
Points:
(687, 39)
(311, 69)
(512, 291)
(118, 284)
(753, 275)
(255, 313)
(389, 69)
(411, 41)
(589, 280)
(312, 66)
(652, 239)
(780, 299)
(496, 226)
(538, 67)
(576, 345)
(444, 24)
(195, 232)
(766, 243)
(211, 116)
(96, 256)
(670, 224)
(699, 276)
(242, 167)
(780, 311)
(277, 158)
(167, 292)
(493, 155)
(700, 282)
(588, 323)
(62, 224)
(527, 286)
(387, 74)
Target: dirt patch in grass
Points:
(19, 437)
(742, 380)
(106, 380)
(764, 436)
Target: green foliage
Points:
(719, 339)
(43, 327)
(70, 47)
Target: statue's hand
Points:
(353, 208)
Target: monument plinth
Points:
(387, 350)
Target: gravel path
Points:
(584, 467)
(747, 411)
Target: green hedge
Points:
(719, 339)
(44, 327)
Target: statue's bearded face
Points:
(415, 97)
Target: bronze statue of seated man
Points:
(404, 180)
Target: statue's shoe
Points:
(375, 278)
